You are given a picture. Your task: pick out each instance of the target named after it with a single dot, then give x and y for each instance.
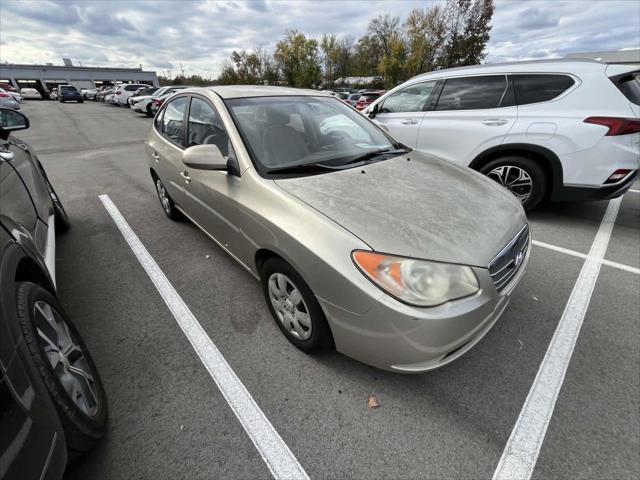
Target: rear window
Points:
(536, 88)
(369, 96)
(132, 88)
(68, 88)
(629, 85)
(342, 96)
(472, 93)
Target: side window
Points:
(537, 88)
(472, 93)
(206, 128)
(410, 99)
(173, 120)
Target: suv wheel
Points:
(521, 176)
(65, 365)
(294, 307)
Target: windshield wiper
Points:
(301, 168)
(375, 153)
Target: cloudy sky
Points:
(198, 36)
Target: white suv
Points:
(124, 91)
(557, 129)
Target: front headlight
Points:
(422, 283)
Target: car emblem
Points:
(518, 260)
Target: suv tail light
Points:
(4, 95)
(158, 102)
(616, 125)
(118, 93)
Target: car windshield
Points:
(291, 131)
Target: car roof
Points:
(566, 65)
(242, 91)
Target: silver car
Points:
(8, 100)
(398, 259)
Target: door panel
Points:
(16, 209)
(166, 147)
(210, 195)
(471, 115)
(402, 112)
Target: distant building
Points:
(46, 77)
(619, 56)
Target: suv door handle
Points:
(409, 122)
(156, 157)
(494, 122)
(186, 177)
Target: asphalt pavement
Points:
(169, 420)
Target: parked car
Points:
(69, 93)
(8, 100)
(91, 94)
(263, 170)
(367, 98)
(151, 105)
(8, 88)
(353, 98)
(52, 402)
(141, 94)
(563, 130)
(83, 93)
(30, 94)
(124, 91)
(110, 97)
(103, 92)
(53, 94)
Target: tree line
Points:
(393, 50)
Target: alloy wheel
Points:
(290, 308)
(164, 197)
(515, 179)
(66, 357)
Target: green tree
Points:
(298, 60)
(425, 34)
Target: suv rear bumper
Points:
(574, 193)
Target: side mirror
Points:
(204, 157)
(373, 112)
(10, 121)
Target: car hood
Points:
(417, 205)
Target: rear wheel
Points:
(65, 365)
(294, 307)
(167, 203)
(149, 112)
(521, 176)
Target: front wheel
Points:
(521, 176)
(65, 365)
(294, 307)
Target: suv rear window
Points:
(68, 88)
(472, 93)
(629, 85)
(536, 88)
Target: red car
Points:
(368, 98)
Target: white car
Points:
(124, 91)
(561, 130)
(16, 96)
(145, 105)
(30, 94)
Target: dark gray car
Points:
(52, 403)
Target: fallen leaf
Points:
(536, 299)
(373, 402)
(208, 256)
(181, 427)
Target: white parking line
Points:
(633, 191)
(523, 447)
(275, 453)
(621, 266)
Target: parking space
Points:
(169, 420)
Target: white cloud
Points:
(200, 35)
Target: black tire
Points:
(61, 101)
(320, 339)
(149, 113)
(168, 205)
(60, 214)
(535, 172)
(80, 101)
(82, 430)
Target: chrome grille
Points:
(507, 263)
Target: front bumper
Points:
(398, 337)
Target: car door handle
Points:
(409, 122)
(156, 157)
(494, 122)
(186, 177)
